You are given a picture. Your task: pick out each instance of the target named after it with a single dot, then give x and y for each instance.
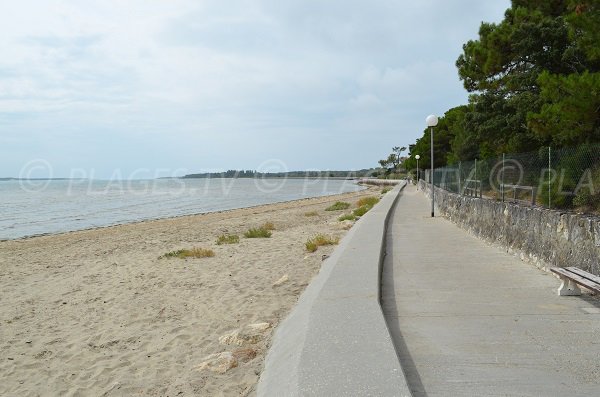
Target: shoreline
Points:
(96, 312)
(365, 187)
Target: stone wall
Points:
(541, 236)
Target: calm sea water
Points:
(30, 208)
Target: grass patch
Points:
(360, 211)
(228, 239)
(338, 206)
(259, 232)
(319, 240)
(368, 201)
(364, 205)
(191, 253)
(385, 190)
(311, 213)
(347, 217)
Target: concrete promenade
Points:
(335, 342)
(468, 319)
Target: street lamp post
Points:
(431, 122)
(417, 157)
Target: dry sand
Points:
(97, 313)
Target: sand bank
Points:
(96, 312)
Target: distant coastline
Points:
(290, 174)
(241, 174)
(36, 179)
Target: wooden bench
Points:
(571, 277)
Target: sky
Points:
(148, 88)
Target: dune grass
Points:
(311, 213)
(189, 253)
(369, 201)
(338, 206)
(319, 240)
(347, 217)
(228, 239)
(259, 232)
(360, 211)
(364, 205)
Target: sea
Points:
(40, 207)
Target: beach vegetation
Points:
(319, 240)
(368, 201)
(360, 211)
(347, 217)
(385, 190)
(338, 206)
(311, 213)
(189, 253)
(228, 239)
(259, 232)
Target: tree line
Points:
(533, 80)
(290, 174)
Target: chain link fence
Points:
(566, 178)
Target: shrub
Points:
(311, 213)
(583, 199)
(385, 190)
(259, 232)
(360, 211)
(228, 239)
(347, 217)
(369, 201)
(319, 240)
(338, 206)
(191, 253)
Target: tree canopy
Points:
(533, 79)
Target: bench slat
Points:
(584, 274)
(577, 278)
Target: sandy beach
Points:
(96, 312)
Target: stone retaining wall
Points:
(538, 235)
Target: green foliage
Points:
(385, 190)
(587, 192)
(393, 161)
(228, 239)
(583, 21)
(534, 80)
(259, 232)
(347, 217)
(311, 213)
(189, 253)
(571, 114)
(338, 206)
(360, 211)
(320, 240)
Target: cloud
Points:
(217, 84)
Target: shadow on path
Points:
(388, 304)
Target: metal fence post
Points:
(502, 183)
(549, 177)
(459, 175)
(476, 178)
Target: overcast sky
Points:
(102, 88)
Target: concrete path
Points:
(468, 319)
